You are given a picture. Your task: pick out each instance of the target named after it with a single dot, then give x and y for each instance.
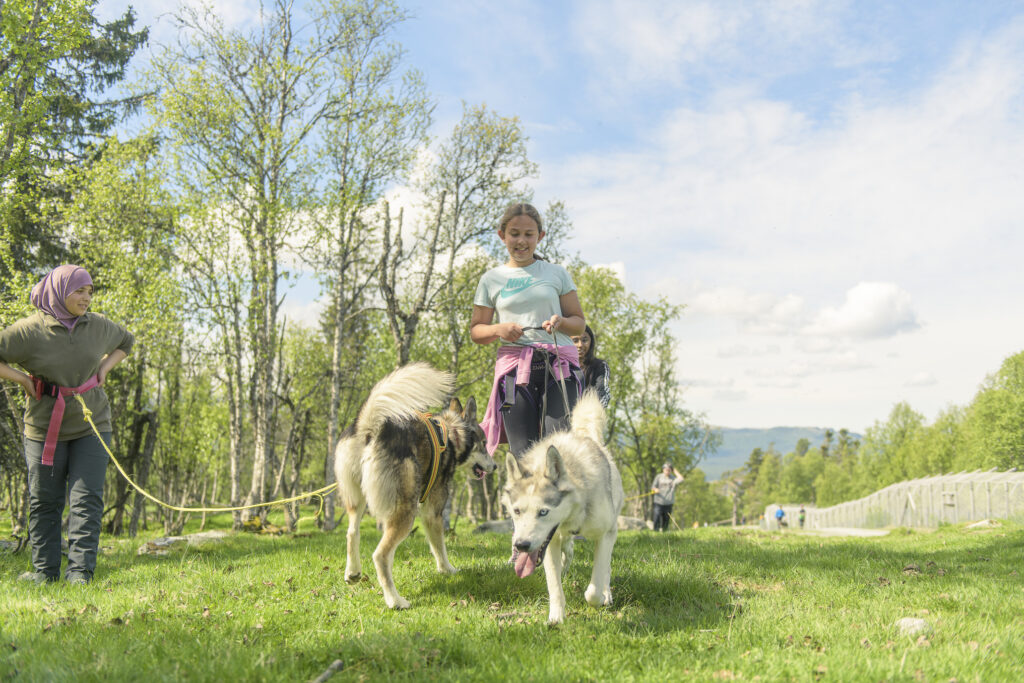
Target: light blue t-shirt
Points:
(527, 296)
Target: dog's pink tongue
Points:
(525, 564)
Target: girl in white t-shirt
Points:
(535, 302)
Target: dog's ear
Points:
(512, 468)
(470, 412)
(554, 466)
(455, 406)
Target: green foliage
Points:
(698, 501)
(994, 422)
(56, 60)
(886, 447)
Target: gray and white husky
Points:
(566, 484)
(386, 459)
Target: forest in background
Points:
(986, 434)
(270, 153)
(264, 156)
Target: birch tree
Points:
(123, 220)
(478, 170)
(244, 109)
(369, 141)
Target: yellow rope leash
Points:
(319, 493)
(642, 495)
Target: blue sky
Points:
(834, 190)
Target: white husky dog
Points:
(387, 459)
(566, 484)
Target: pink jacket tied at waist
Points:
(519, 358)
(57, 416)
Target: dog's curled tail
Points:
(410, 388)
(589, 417)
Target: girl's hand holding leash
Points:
(552, 324)
(509, 331)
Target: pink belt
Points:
(57, 416)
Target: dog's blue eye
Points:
(541, 513)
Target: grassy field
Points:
(706, 604)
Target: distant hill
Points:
(738, 443)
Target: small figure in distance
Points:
(664, 489)
(780, 517)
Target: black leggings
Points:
(522, 418)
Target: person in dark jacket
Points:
(595, 370)
(64, 351)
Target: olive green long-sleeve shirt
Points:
(43, 347)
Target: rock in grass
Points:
(162, 546)
(911, 626)
(632, 523)
(499, 526)
(983, 524)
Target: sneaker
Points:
(36, 577)
(77, 579)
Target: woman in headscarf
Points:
(65, 350)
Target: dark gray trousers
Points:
(662, 516)
(78, 472)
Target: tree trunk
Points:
(143, 473)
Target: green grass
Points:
(707, 604)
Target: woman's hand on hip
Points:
(29, 386)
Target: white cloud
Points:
(306, 313)
(753, 188)
(638, 44)
(731, 395)
(815, 344)
(756, 312)
(707, 383)
(744, 351)
(617, 267)
(872, 310)
(652, 41)
(922, 379)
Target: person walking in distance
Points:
(66, 351)
(664, 489)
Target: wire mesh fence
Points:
(926, 502)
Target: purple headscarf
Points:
(49, 293)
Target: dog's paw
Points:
(353, 578)
(556, 617)
(398, 603)
(447, 570)
(598, 598)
